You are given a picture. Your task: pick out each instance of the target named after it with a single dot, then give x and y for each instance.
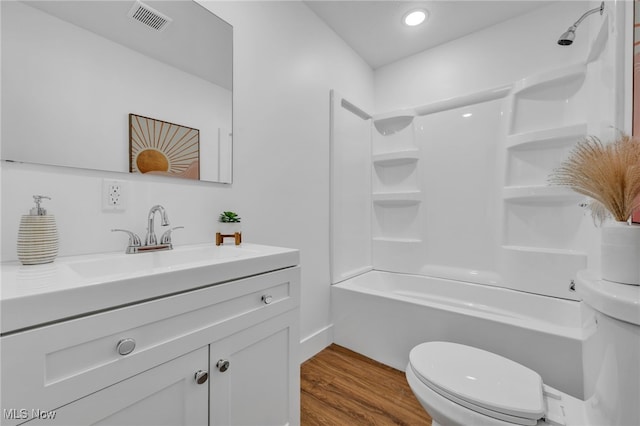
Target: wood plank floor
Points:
(341, 387)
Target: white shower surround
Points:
(383, 315)
(439, 215)
(461, 192)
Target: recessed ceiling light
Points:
(415, 17)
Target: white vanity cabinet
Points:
(137, 364)
(251, 376)
(166, 395)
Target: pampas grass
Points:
(609, 174)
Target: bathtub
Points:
(383, 315)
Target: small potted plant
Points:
(229, 223)
(609, 174)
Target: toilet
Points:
(463, 385)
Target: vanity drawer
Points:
(50, 366)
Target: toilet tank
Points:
(611, 351)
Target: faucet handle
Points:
(166, 237)
(134, 240)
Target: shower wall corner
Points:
(350, 182)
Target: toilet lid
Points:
(480, 380)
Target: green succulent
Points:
(229, 217)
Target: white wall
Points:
(285, 63)
(495, 56)
(284, 66)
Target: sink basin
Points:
(147, 263)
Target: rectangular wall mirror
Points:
(74, 71)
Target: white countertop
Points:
(79, 285)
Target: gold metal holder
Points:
(236, 236)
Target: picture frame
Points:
(163, 148)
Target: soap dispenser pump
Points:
(38, 235)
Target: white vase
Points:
(621, 253)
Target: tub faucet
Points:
(151, 239)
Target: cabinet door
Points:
(164, 395)
(260, 385)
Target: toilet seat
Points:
(480, 381)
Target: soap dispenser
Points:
(37, 236)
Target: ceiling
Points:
(372, 28)
(375, 31)
(186, 43)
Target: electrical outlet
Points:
(114, 195)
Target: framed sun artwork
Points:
(163, 148)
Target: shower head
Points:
(567, 37)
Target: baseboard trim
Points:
(311, 345)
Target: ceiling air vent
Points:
(149, 16)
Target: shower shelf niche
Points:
(528, 86)
(548, 100)
(552, 227)
(547, 250)
(396, 217)
(536, 194)
(547, 138)
(392, 135)
(533, 155)
(397, 240)
(397, 158)
(396, 173)
(400, 198)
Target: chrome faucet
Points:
(151, 241)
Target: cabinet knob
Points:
(267, 299)
(223, 365)
(126, 346)
(201, 376)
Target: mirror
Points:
(74, 71)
